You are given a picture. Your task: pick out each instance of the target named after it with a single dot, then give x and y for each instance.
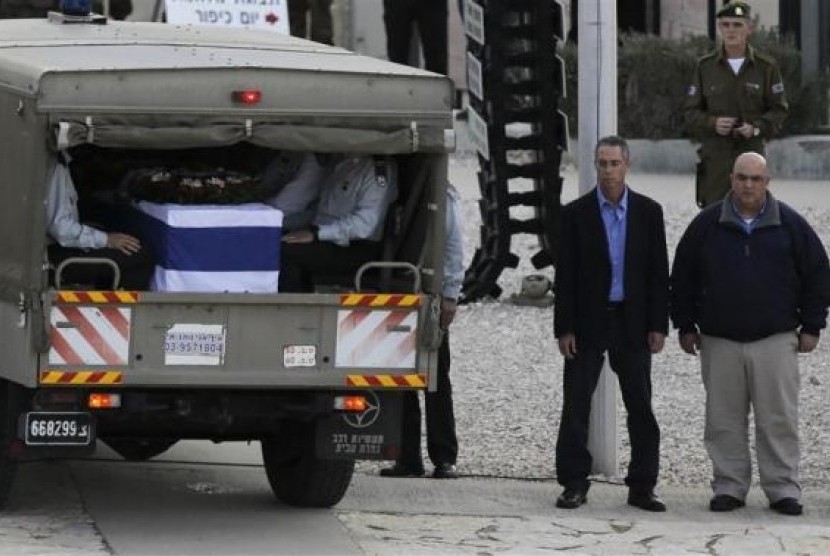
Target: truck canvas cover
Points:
(117, 85)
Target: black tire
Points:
(299, 478)
(139, 449)
(9, 411)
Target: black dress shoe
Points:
(401, 471)
(445, 471)
(572, 498)
(725, 503)
(787, 506)
(645, 500)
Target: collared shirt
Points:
(748, 224)
(353, 202)
(62, 221)
(454, 250)
(296, 198)
(613, 220)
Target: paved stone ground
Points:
(475, 516)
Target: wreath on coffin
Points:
(213, 185)
(219, 187)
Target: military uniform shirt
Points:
(353, 202)
(62, 220)
(755, 95)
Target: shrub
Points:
(653, 75)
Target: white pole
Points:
(597, 35)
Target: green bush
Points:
(653, 75)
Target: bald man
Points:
(750, 290)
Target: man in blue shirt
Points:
(611, 295)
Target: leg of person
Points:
(726, 433)
(573, 460)
(633, 369)
(442, 443)
(774, 382)
(398, 17)
(74, 275)
(136, 269)
(715, 167)
(297, 18)
(301, 262)
(410, 463)
(432, 27)
(321, 28)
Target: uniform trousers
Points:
(304, 264)
(762, 375)
(442, 444)
(632, 365)
(321, 27)
(431, 18)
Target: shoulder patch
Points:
(691, 91)
(778, 88)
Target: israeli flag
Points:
(213, 248)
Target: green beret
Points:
(735, 9)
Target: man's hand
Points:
(127, 244)
(567, 346)
(806, 342)
(746, 130)
(690, 342)
(448, 309)
(656, 341)
(724, 125)
(300, 236)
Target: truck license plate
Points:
(53, 428)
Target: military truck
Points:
(140, 370)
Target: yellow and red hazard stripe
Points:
(379, 300)
(71, 296)
(386, 381)
(80, 378)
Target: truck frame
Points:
(143, 369)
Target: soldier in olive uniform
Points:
(735, 103)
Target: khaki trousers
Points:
(764, 374)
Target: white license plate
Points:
(299, 356)
(62, 429)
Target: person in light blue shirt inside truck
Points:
(347, 228)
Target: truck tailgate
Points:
(152, 339)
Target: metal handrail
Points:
(116, 272)
(411, 268)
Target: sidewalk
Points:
(485, 516)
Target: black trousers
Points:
(136, 269)
(633, 369)
(442, 444)
(321, 27)
(304, 264)
(431, 18)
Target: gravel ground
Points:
(506, 371)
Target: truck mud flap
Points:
(373, 434)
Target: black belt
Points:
(615, 305)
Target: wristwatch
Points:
(756, 131)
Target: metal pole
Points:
(809, 36)
(597, 59)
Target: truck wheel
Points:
(12, 399)
(299, 478)
(139, 449)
